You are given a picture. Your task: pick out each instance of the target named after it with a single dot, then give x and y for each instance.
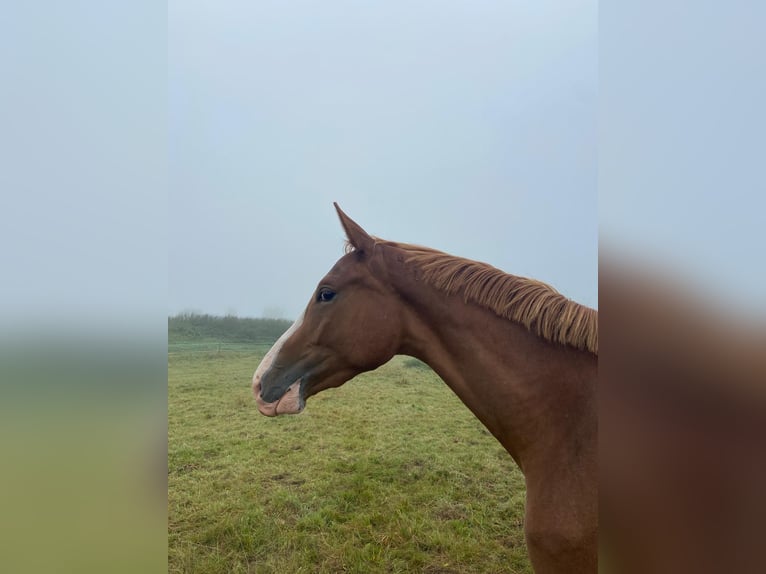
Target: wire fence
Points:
(219, 347)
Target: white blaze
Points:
(268, 359)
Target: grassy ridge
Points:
(389, 473)
(191, 327)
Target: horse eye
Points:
(325, 295)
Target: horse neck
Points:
(531, 394)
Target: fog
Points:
(472, 131)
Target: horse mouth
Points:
(290, 403)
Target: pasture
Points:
(389, 473)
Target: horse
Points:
(521, 356)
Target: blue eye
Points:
(325, 295)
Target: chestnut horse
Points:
(522, 357)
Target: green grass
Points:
(389, 473)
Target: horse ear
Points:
(357, 236)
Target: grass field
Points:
(389, 473)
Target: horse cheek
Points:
(386, 340)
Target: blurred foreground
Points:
(682, 426)
(83, 448)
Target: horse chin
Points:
(291, 403)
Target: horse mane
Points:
(534, 304)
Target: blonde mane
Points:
(534, 304)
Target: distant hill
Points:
(188, 327)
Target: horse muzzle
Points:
(289, 403)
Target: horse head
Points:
(352, 324)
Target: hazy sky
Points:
(682, 152)
(135, 184)
(83, 169)
(467, 127)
